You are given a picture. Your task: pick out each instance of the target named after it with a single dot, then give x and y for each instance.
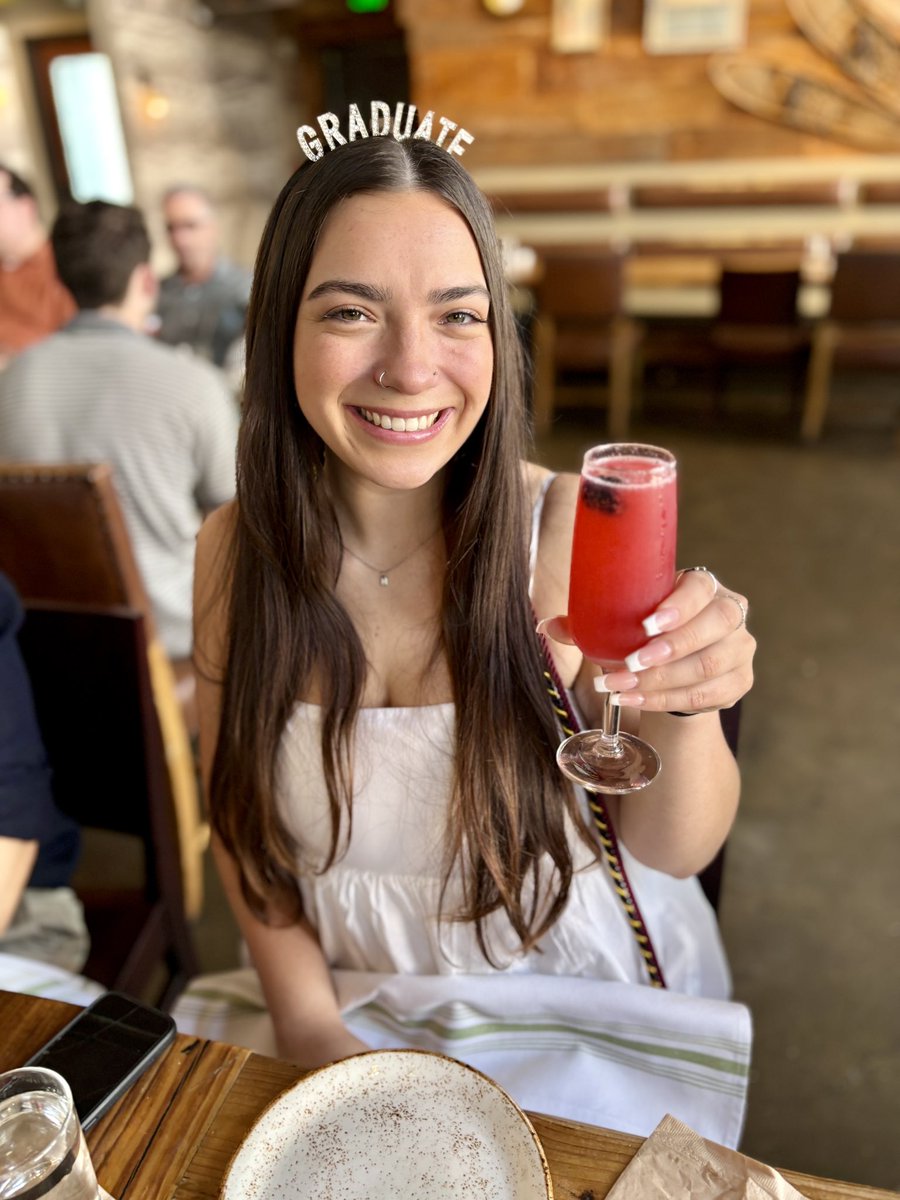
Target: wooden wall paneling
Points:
(525, 103)
(880, 191)
(675, 195)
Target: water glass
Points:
(42, 1148)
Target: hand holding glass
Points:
(623, 565)
(42, 1147)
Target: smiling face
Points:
(395, 286)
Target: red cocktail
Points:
(623, 553)
(623, 565)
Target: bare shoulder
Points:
(534, 476)
(555, 538)
(559, 506)
(550, 586)
(561, 487)
(211, 580)
(557, 524)
(218, 528)
(214, 542)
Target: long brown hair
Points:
(286, 627)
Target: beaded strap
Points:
(605, 831)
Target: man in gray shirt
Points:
(203, 304)
(101, 390)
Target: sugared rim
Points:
(651, 464)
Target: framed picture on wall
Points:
(694, 26)
(579, 26)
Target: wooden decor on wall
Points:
(791, 94)
(579, 26)
(841, 80)
(857, 41)
(694, 26)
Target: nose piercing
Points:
(384, 385)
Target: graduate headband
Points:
(382, 124)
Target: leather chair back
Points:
(90, 676)
(64, 541)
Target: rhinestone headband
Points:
(401, 124)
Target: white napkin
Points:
(613, 1054)
(42, 979)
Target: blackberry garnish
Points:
(596, 495)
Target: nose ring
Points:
(384, 385)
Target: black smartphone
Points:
(104, 1050)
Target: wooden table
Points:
(172, 1136)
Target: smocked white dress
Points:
(570, 1027)
(377, 907)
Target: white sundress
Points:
(568, 1028)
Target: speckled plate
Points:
(390, 1124)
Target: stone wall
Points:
(229, 87)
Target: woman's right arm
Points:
(295, 978)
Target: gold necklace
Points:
(384, 572)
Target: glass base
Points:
(613, 765)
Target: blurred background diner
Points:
(700, 204)
(33, 301)
(203, 302)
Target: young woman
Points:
(376, 731)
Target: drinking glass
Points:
(42, 1148)
(623, 565)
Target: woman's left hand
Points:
(699, 655)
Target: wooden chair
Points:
(65, 541)
(580, 326)
(862, 328)
(90, 675)
(758, 321)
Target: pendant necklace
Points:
(384, 573)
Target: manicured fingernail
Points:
(648, 656)
(663, 618)
(622, 684)
(541, 626)
(626, 699)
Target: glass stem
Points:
(610, 724)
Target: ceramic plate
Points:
(390, 1124)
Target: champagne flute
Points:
(623, 565)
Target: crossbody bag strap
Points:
(609, 843)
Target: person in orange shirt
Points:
(33, 302)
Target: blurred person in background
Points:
(203, 304)
(33, 302)
(40, 916)
(100, 390)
